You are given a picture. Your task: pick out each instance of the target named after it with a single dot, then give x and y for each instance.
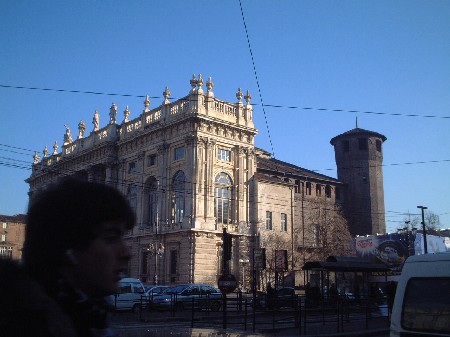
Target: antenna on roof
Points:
(356, 121)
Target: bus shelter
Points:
(348, 277)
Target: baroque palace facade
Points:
(189, 169)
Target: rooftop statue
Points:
(96, 120)
(112, 114)
(81, 129)
(67, 136)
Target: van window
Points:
(426, 305)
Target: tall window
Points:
(224, 155)
(144, 262)
(178, 194)
(378, 145)
(315, 236)
(328, 191)
(6, 252)
(151, 160)
(283, 222)
(132, 197)
(152, 202)
(308, 188)
(363, 144)
(269, 220)
(179, 153)
(173, 265)
(346, 145)
(318, 190)
(223, 199)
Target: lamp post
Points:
(243, 262)
(407, 232)
(156, 250)
(424, 229)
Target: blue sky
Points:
(384, 59)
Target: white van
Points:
(129, 296)
(422, 301)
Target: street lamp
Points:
(424, 229)
(406, 232)
(156, 250)
(243, 262)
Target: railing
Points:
(329, 315)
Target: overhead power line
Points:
(263, 105)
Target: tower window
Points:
(337, 192)
(308, 188)
(378, 145)
(345, 146)
(318, 190)
(363, 144)
(328, 191)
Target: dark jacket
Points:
(28, 310)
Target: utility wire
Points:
(257, 80)
(254, 104)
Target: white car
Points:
(422, 300)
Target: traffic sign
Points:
(227, 283)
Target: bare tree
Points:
(327, 233)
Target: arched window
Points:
(132, 196)
(223, 199)
(152, 197)
(178, 194)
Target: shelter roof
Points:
(341, 263)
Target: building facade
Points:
(189, 169)
(12, 236)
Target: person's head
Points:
(74, 230)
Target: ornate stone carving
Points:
(248, 97)
(126, 115)
(147, 104)
(199, 84)
(112, 114)
(209, 86)
(166, 94)
(239, 95)
(193, 83)
(96, 121)
(81, 129)
(55, 148)
(45, 152)
(67, 136)
(36, 158)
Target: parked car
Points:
(283, 297)
(183, 296)
(151, 292)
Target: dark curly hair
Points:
(68, 215)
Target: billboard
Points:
(393, 249)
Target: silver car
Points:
(202, 296)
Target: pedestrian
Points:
(73, 257)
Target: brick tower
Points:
(359, 159)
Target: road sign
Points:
(227, 283)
